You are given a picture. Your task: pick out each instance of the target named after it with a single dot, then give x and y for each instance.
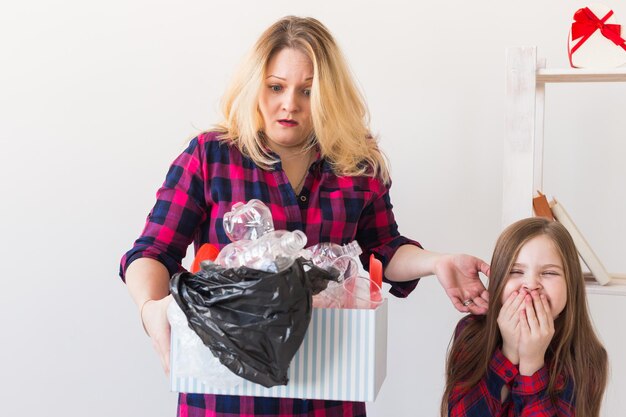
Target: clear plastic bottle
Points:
(272, 252)
(248, 221)
(325, 253)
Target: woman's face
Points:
(538, 266)
(284, 100)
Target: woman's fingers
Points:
(475, 304)
(458, 304)
(480, 303)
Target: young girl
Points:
(535, 352)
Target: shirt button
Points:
(515, 384)
(508, 373)
(303, 198)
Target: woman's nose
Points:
(290, 102)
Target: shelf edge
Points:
(617, 286)
(572, 75)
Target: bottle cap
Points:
(207, 252)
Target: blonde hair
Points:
(338, 110)
(575, 349)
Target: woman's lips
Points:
(288, 123)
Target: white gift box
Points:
(343, 357)
(595, 39)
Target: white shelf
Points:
(523, 148)
(617, 286)
(580, 75)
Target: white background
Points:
(96, 99)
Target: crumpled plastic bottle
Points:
(248, 221)
(324, 254)
(257, 245)
(274, 251)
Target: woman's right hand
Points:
(154, 319)
(508, 322)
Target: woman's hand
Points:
(536, 332)
(458, 275)
(508, 322)
(154, 319)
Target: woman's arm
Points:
(156, 255)
(457, 274)
(148, 284)
(405, 261)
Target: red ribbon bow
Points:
(586, 23)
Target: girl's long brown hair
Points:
(574, 351)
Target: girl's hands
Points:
(536, 331)
(154, 319)
(508, 322)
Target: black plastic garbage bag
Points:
(252, 321)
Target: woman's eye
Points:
(307, 92)
(275, 88)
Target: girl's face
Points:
(539, 267)
(284, 101)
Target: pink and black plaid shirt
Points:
(527, 396)
(202, 185)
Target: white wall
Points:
(97, 98)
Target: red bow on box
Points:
(586, 23)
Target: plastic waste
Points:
(248, 221)
(272, 252)
(376, 273)
(329, 255)
(275, 250)
(252, 321)
(192, 358)
(207, 252)
(324, 254)
(361, 293)
(355, 292)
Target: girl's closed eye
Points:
(516, 272)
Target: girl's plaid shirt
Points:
(527, 396)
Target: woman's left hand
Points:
(458, 275)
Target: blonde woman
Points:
(295, 136)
